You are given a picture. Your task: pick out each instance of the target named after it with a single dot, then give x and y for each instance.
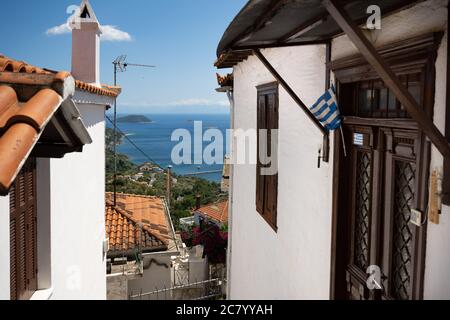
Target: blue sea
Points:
(155, 140)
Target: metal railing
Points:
(213, 289)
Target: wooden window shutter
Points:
(267, 185)
(23, 235)
(271, 181)
(260, 179)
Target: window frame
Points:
(268, 183)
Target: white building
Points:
(312, 233)
(52, 174)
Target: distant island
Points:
(134, 119)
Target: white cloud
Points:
(58, 30)
(109, 33)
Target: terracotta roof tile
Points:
(217, 212)
(10, 65)
(103, 91)
(15, 146)
(226, 80)
(29, 99)
(36, 112)
(21, 124)
(132, 211)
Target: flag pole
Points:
(340, 127)
(343, 141)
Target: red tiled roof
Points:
(29, 98)
(103, 91)
(132, 211)
(10, 65)
(217, 212)
(23, 123)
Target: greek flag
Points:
(326, 110)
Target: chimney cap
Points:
(86, 13)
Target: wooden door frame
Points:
(341, 227)
(406, 48)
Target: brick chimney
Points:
(86, 45)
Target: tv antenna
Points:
(120, 65)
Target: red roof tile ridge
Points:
(138, 196)
(36, 112)
(15, 66)
(217, 204)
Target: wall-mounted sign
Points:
(358, 139)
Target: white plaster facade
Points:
(77, 187)
(295, 262)
(70, 200)
(71, 220)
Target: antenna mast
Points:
(120, 65)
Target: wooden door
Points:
(385, 167)
(385, 175)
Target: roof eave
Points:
(238, 37)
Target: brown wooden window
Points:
(372, 99)
(267, 185)
(23, 238)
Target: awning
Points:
(37, 118)
(278, 23)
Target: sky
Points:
(179, 37)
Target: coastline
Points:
(156, 141)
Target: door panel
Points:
(360, 167)
(401, 239)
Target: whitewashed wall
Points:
(157, 274)
(428, 16)
(78, 216)
(295, 262)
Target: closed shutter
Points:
(271, 181)
(267, 185)
(23, 244)
(260, 179)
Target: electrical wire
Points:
(150, 158)
(135, 145)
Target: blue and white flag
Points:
(326, 110)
